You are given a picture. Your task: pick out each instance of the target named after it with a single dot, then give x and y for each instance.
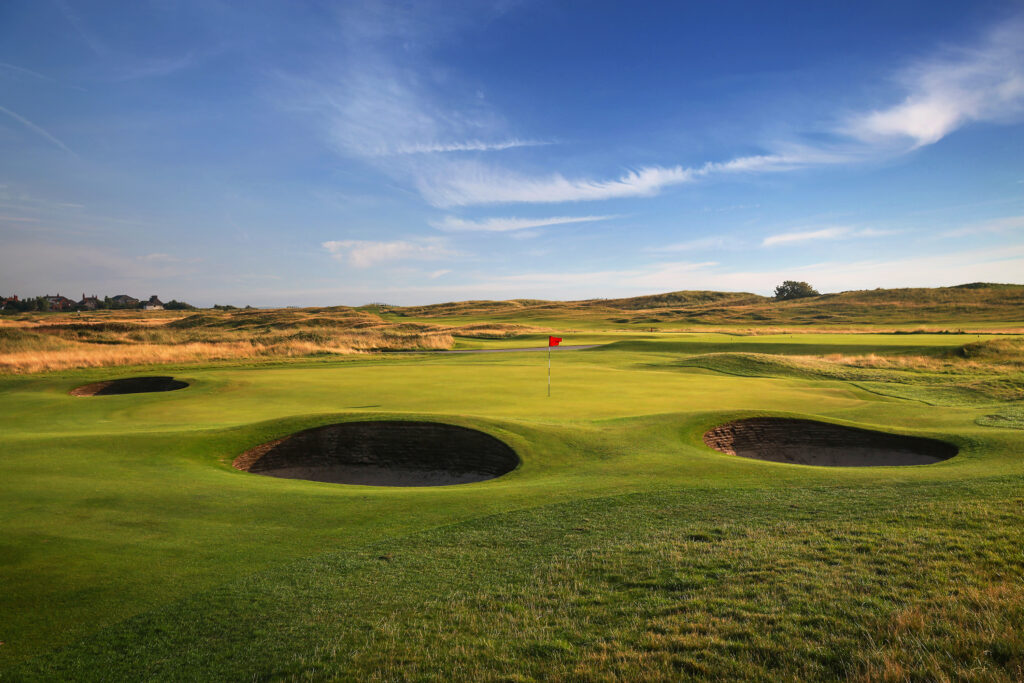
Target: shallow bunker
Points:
(807, 442)
(383, 453)
(129, 385)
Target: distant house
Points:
(124, 301)
(8, 303)
(154, 304)
(88, 303)
(59, 303)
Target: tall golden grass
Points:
(934, 364)
(74, 354)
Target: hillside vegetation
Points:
(33, 342)
(961, 305)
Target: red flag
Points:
(554, 341)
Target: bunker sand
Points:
(383, 453)
(807, 442)
(129, 385)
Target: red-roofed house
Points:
(60, 303)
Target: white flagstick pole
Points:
(549, 368)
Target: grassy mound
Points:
(1010, 417)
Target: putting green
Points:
(119, 505)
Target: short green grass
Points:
(621, 547)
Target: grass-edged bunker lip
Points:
(129, 385)
(810, 442)
(383, 453)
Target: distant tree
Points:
(225, 307)
(175, 305)
(791, 289)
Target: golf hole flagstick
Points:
(552, 341)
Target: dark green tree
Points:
(791, 289)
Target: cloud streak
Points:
(38, 130)
(995, 226)
(367, 253)
(985, 83)
(474, 183)
(454, 224)
(471, 184)
(830, 233)
(23, 70)
(467, 146)
(699, 244)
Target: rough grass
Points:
(43, 343)
(201, 337)
(1008, 417)
(795, 585)
(945, 380)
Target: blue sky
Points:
(295, 153)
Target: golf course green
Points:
(620, 547)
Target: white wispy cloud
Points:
(375, 109)
(473, 183)
(981, 83)
(455, 224)
(366, 253)
(23, 71)
(466, 146)
(994, 226)
(376, 102)
(806, 236)
(38, 130)
(157, 257)
(699, 244)
(834, 232)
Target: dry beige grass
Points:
(73, 354)
(86, 356)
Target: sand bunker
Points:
(806, 442)
(383, 453)
(129, 385)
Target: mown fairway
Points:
(129, 547)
